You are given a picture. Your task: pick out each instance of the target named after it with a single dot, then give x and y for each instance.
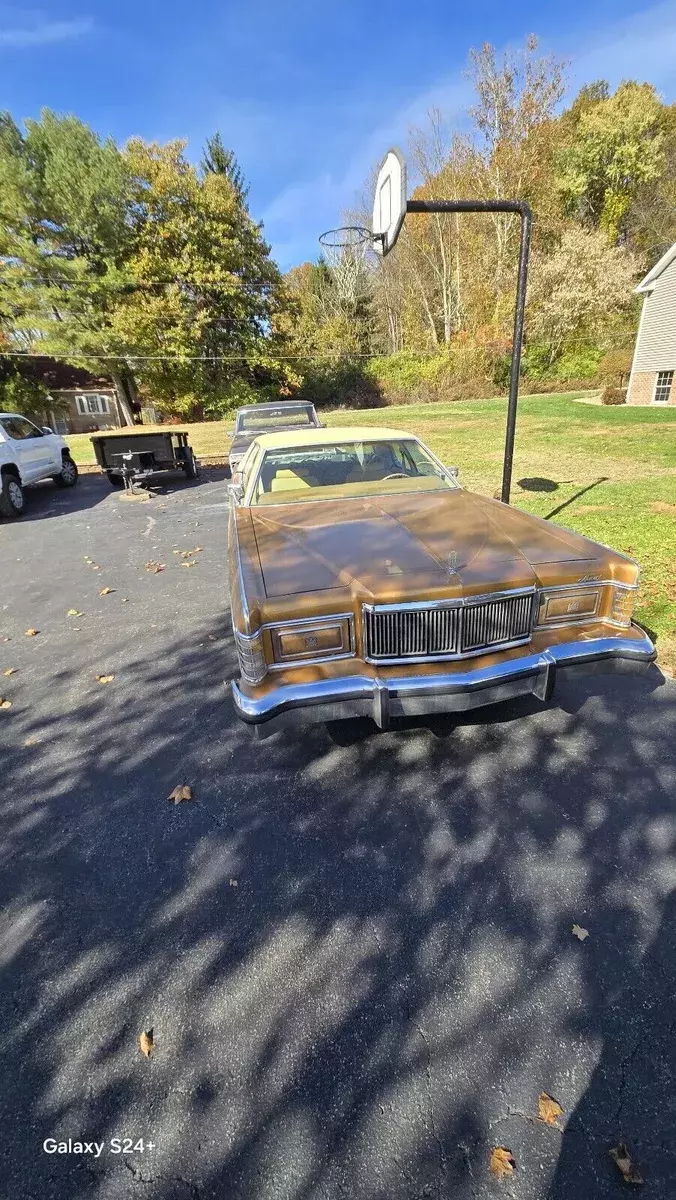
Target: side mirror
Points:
(47, 429)
(236, 492)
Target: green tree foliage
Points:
(208, 292)
(133, 256)
(218, 160)
(329, 326)
(615, 145)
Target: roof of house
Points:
(647, 284)
(325, 437)
(58, 376)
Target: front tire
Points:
(11, 496)
(67, 476)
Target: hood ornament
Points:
(453, 562)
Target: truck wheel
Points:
(114, 480)
(11, 496)
(67, 476)
(190, 467)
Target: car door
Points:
(29, 446)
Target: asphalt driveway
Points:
(354, 949)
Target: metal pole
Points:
(509, 206)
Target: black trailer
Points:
(134, 455)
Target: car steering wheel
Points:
(396, 475)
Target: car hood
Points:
(409, 543)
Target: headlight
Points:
(252, 662)
(300, 641)
(612, 602)
(560, 607)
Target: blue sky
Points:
(308, 94)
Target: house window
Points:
(663, 387)
(89, 404)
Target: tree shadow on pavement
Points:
(357, 959)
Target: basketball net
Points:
(346, 259)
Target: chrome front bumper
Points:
(416, 695)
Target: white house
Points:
(652, 370)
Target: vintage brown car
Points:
(365, 581)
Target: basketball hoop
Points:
(345, 251)
(346, 237)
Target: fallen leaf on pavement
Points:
(146, 1042)
(95, 568)
(502, 1161)
(31, 741)
(233, 883)
(124, 600)
(11, 671)
(579, 932)
(105, 678)
(180, 793)
(74, 612)
(5, 703)
(154, 567)
(548, 1109)
(187, 564)
(88, 559)
(106, 591)
(628, 1169)
(32, 632)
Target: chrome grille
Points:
(449, 631)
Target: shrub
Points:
(614, 367)
(578, 364)
(613, 395)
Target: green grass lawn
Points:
(607, 472)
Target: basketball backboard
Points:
(389, 208)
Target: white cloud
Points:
(640, 47)
(45, 33)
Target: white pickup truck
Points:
(28, 454)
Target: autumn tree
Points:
(615, 145)
(575, 290)
(64, 240)
(198, 322)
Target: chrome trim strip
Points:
(344, 616)
(430, 659)
(592, 583)
(246, 611)
(290, 664)
(452, 601)
(512, 676)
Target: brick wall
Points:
(641, 388)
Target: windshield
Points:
(266, 420)
(347, 469)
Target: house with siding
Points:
(654, 363)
